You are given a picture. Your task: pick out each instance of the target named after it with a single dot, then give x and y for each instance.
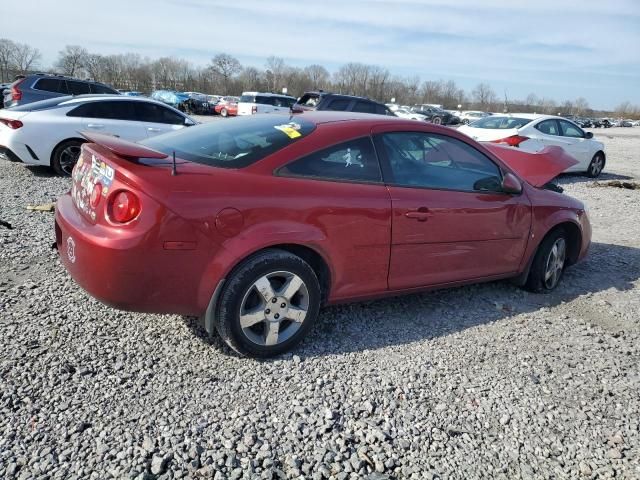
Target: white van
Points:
(255, 102)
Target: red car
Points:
(257, 223)
(227, 106)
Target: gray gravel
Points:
(477, 382)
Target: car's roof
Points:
(70, 100)
(327, 116)
(267, 94)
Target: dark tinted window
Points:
(436, 161)
(102, 89)
(549, 127)
(264, 100)
(495, 122)
(384, 110)
(149, 112)
(233, 144)
(339, 104)
(56, 85)
(78, 88)
(364, 107)
(116, 110)
(570, 130)
(352, 161)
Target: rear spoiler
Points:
(538, 169)
(122, 148)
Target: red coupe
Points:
(227, 106)
(257, 223)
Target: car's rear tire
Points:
(65, 157)
(269, 303)
(224, 112)
(596, 166)
(436, 121)
(549, 263)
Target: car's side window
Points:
(102, 89)
(548, 127)
(55, 85)
(148, 112)
(417, 159)
(570, 130)
(116, 110)
(364, 107)
(353, 161)
(77, 88)
(339, 104)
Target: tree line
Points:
(225, 75)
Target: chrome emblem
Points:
(71, 250)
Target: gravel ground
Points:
(477, 382)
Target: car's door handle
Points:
(97, 126)
(151, 129)
(421, 214)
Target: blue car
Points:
(173, 98)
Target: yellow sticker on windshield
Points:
(290, 129)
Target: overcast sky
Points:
(556, 48)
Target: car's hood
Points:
(538, 168)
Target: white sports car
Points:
(47, 132)
(533, 133)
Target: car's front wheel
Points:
(65, 157)
(224, 112)
(465, 121)
(436, 120)
(549, 263)
(268, 304)
(596, 166)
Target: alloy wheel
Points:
(597, 164)
(68, 158)
(555, 263)
(274, 308)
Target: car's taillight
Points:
(254, 109)
(96, 193)
(16, 93)
(124, 206)
(514, 140)
(12, 124)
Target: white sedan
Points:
(406, 113)
(533, 133)
(47, 132)
(471, 116)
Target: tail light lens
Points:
(96, 193)
(254, 109)
(12, 124)
(16, 93)
(124, 206)
(513, 141)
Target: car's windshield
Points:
(500, 123)
(233, 144)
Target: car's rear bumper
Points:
(8, 154)
(127, 270)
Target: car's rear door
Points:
(111, 117)
(451, 222)
(578, 146)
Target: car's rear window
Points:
(248, 99)
(500, 123)
(234, 144)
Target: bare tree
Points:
(484, 96)
(580, 106)
(623, 109)
(71, 60)
(25, 57)
(318, 75)
(275, 71)
(226, 67)
(7, 53)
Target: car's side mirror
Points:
(188, 122)
(588, 135)
(511, 184)
(295, 109)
